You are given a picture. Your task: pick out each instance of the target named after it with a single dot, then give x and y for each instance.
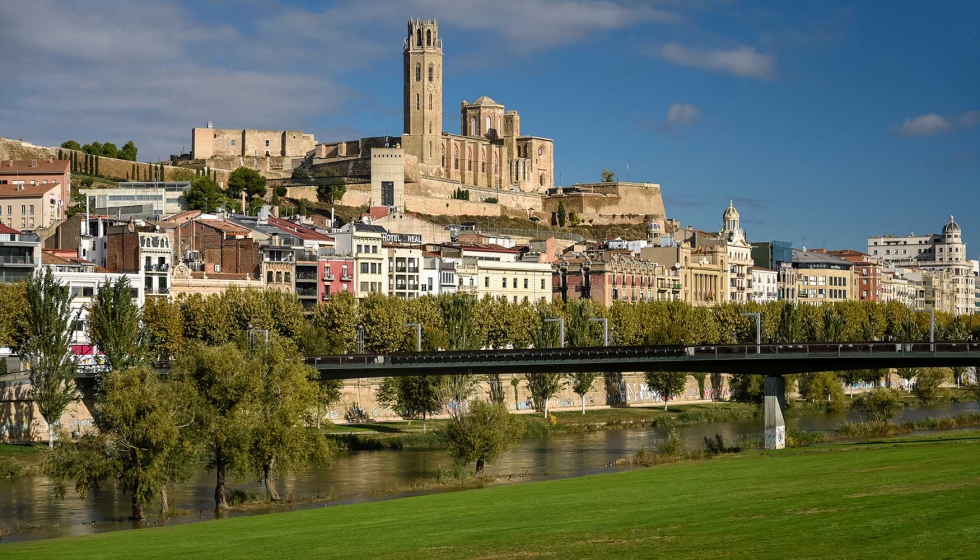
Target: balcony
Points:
(306, 292)
(346, 278)
(18, 259)
(328, 276)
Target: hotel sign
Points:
(408, 239)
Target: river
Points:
(374, 475)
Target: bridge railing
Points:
(697, 352)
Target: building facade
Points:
(20, 254)
(822, 278)
(739, 256)
(139, 200)
(34, 192)
(209, 142)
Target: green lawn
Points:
(21, 449)
(913, 497)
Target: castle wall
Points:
(611, 202)
(210, 142)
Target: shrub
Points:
(10, 467)
(356, 415)
(879, 405)
(801, 438)
(716, 445)
(239, 497)
(872, 429)
(672, 447)
(481, 434)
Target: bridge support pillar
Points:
(775, 405)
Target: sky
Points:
(824, 121)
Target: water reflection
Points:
(371, 475)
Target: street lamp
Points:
(418, 335)
(932, 330)
(360, 339)
(605, 328)
(758, 330)
(561, 328)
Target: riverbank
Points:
(908, 496)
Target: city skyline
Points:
(724, 101)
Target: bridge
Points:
(772, 360)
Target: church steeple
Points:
(422, 51)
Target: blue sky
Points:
(825, 121)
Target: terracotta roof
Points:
(226, 227)
(297, 230)
(8, 231)
(29, 190)
(182, 214)
(43, 167)
(62, 257)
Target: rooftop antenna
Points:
(804, 244)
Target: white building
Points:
(365, 242)
(438, 275)
(943, 254)
(404, 271)
(156, 256)
(764, 285)
(739, 256)
(139, 200)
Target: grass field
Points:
(913, 497)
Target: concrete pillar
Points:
(775, 405)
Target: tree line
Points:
(109, 150)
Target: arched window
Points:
(469, 159)
(430, 98)
(268, 277)
(455, 157)
(430, 142)
(442, 151)
(428, 39)
(418, 37)
(286, 278)
(483, 160)
(418, 72)
(278, 277)
(431, 71)
(418, 102)
(488, 125)
(541, 179)
(430, 125)
(495, 163)
(474, 127)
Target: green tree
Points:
(545, 385)
(458, 314)
(127, 152)
(301, 175)
(142, 442)
(928, 381)
(384, 323)
(204, 195)
(849, 377)
(245, 179)
(71, 145)
(908, 373)
(821, 386)
(879, 405)
(482, 434)
(44, 340)
(182, 174)
(339, 318)
(561, 214)
(581, 334)
(669, 384)
(415, 396)
(608, 176)
(275, 199)
(228, 383)
(302, 208)
(747, 388)
(699, 378)
(284, 437)
(13, 302)
(115, 326)
(790, 327)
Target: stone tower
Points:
(423, 92)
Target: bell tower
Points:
(422, 50)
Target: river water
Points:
(29, 502)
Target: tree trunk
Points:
(137, 514)
(50, 435)
(220, 501)
(479, 466)
(270, 483)
(546, 407)
(583, 404)
(665, 402)
(423, 423)
(164, 502)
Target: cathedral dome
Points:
(951, 227)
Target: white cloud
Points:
(680, 115)
(933, 124)
(742, 61)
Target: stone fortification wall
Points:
(108, 167)
(444, 188)
(627, 202)
(449, 206)
(400, 222)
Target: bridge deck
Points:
(767, 359)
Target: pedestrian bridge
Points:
(772, 360)
(762, 359)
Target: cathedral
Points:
(489, 150)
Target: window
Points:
(430, 102)
(418, 37)
(525, 283)
(374, 249)
(542, 283)
(418, 72)
(360, 248)
(266, 143)
(488, 125)
(23, 209)
(428, 43)
(374, 268)
(278, 277)
(418, 102)
(268, 277)
(486, 282)
(431, 73)
(364, 268)
(32, 209)
(503, 282)
(364, 286)
(232, 142)
(456, 157)
(286, 278)
(469, 159)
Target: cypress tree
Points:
(59, 155)
(97, 159)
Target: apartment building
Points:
(34, 194)
(364, 242)
(764, 284)
(20, 254)
(822, 278)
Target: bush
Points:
(872, 429)
(879, 405)
(490, 200)
(672, 447)
(238, 497)
(356, 415)
(481, 434)
(801, 438)
(10, 467)
(716, 445)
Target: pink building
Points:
(336, 275)
(34, 194)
